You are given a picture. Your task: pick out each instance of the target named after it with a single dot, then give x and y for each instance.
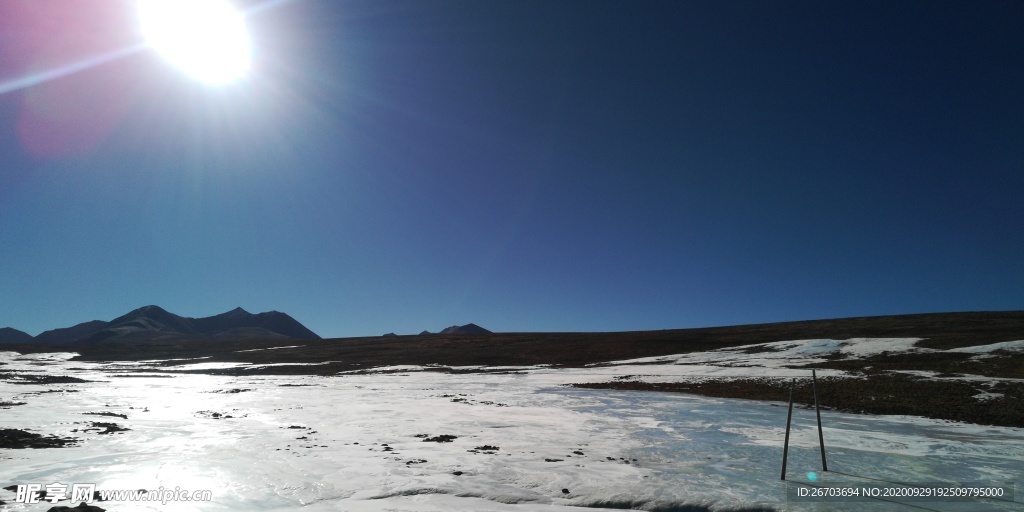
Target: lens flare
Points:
(207, 39)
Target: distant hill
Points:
(465, 329)
(153, 323)
(9, 335)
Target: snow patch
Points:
(981, 349)
(867, 347)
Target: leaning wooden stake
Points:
(789, 419)
(817, 411)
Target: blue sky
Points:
(527, 166)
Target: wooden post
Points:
(789, 419)
(817, 411)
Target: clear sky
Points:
(527, 165)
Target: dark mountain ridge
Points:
(465, 329)
(153, 323)
(68, 334)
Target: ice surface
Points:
(317, 443)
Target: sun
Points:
(207, 39)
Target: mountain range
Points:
(153, 323)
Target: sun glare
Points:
(207, 39)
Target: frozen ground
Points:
(318, 443)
